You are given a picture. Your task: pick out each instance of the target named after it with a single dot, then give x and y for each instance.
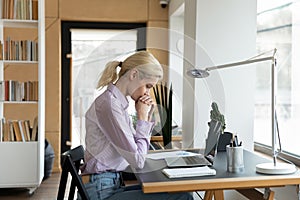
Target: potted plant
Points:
(225, 137)
(163, 97)
(216, 115)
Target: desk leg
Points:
(268, 194)
(217, 194)
(254, 194)
(298, 191)
(208, 195)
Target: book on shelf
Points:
(2, 90)
(1, 132)
(17, 130)
(35, 9)
(20, 9)
(11, 131)
(23, 130)
(1, 50)
(20, 50)
(6, 136)
(11, 90)
(34, 129)
(27, 129)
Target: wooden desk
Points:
(153, 180)
(158, 140)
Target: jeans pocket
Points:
(91, 190)
(107, 183)
(110, 186)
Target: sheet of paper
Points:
(162, 155)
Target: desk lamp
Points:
(266, 168)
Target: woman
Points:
(111, 141)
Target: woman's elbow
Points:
(139, 163)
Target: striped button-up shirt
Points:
(111, 141)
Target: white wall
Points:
(218, 32)
(226, 32)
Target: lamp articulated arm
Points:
(240, 63)
(202, 73)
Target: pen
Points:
(236, 140)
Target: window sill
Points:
(266, 151)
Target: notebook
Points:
(189, 172)
(209, 152)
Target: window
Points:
(278, 26)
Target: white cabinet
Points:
(22, 23)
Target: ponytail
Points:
(109, 74)
(143, 61)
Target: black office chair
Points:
(224, 140)
(70, 162)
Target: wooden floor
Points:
(47, 190)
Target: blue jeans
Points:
(108, 186)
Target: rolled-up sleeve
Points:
(143, 133)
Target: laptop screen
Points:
(209, 153)
(212, 138)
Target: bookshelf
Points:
(22, 92)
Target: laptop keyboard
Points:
(196, 160)
(190, 160)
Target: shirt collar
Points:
(119, 95)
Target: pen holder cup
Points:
(235, 159)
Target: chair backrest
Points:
(70, 162)
(224, 140)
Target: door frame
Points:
(66, 78)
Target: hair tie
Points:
(120, 64)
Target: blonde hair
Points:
(143, 61)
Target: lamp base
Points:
(279, 168)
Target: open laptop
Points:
(200, 160)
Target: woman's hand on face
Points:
(146, 99)
(144, 107)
